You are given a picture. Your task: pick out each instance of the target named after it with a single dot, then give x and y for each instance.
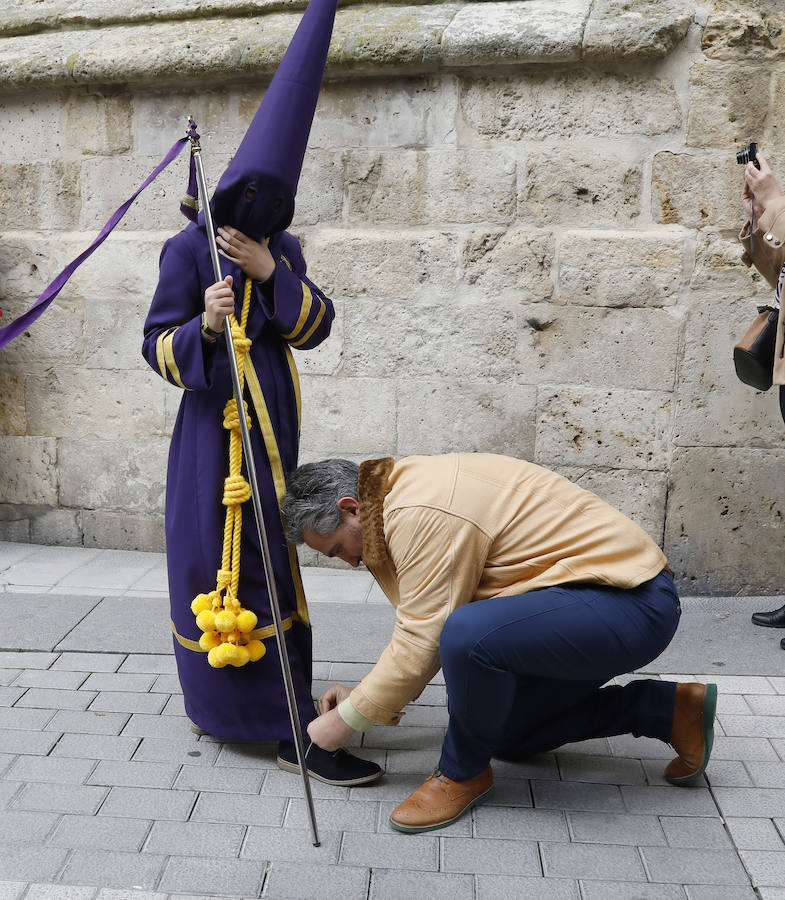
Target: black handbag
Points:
(753, 356)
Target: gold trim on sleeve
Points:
(305, 311)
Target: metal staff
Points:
(196, 152)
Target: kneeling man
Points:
(530, 593)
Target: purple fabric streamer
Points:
(15, 328)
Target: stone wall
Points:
(525, 212)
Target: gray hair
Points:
(312, 495)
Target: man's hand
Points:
(761, 183)
(253, 257)
(218, 303)
(332, 697)
(329, 731)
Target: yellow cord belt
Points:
(226, 626)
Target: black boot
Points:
(340, 768)
(773, 619)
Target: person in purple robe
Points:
(252, 206)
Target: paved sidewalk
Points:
(106, 795)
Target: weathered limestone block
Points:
(396, 112)
(724, 526)
(697, 190)
(475, 343)
(161, 117)
(125, 266)
(449, 417)
(99, 124)
(423, 188)
(605, 348)
(123, 531)
(615, 428)
(639, 494)
(745, 29)
(719, 268)
(591, 187)
(39, 195)
(29, 467)
(729, 105)
(77, 403)
(382, 263)
(38, 137)
(56, 338)
(621, 269)
(542, 104)
(320, 191)
(13, 416)
(347, 415)
(113, 475)
(517, 261)
(536, 31)
(646, 28)
(14, 523)
(59, 527)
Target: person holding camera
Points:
(763, 237)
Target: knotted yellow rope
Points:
(219, 614)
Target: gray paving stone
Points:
(32, 742)
(224, 876)
(333, 815)
(7, 676)
(12, 890)
(763, 705)
(754, 726)
(520, 824)
(149, 663)
(113, 894)
(291, 845)
(51, 769)
(185, 750)
(719, 892)
(738, 684)
(19, 825)
(391, 850)
(49, 618)
(700, 833)
(568, 795)
(115, 681)
(625, 745)
(86, 722)
(669, 801)
(766, 802)
(101, 833)
(301, 881)
(213, 807)
(5, 761)
(111, 569)
(25, 719)
(417, 737)
(625, 890)
(754, 834)
(728, 773)
(766, 774)
(736, 704)
(256, 756)
(106, 868)
(593, 747)
(12, 552)
(388, 884)
(9, 791)
(778, 683)
(131, 773)
(175, 704)
(112, 627)
(601, 769)
(396, 787)
(424, 716)
(151, 803)
(9, 695)
(96, 746)
(51, 698)
(89, 662)
(743, 748)
(189, 838)
(31, 862)
(142, 725)
(66, 798)
(51, 678)
(281, 784)
(166, 683)
(616, 828)
(510, 792)
(767, 893)
(60, 892)
(682, 866)
(23, 659)
(490, 856)
(507, 887)
(542, 766)
(124, 701)
(766, 867)
(233, 781)
(592, 861)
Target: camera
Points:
(748, 154)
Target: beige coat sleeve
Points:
(439, 560)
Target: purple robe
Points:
(246, 703)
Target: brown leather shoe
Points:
(441, 801)
(692, 734)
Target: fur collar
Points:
(373, 488)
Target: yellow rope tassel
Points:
(219, 614)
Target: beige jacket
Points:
(768, 256)
(443, 531)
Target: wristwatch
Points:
(207, 331)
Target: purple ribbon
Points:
(19, 324)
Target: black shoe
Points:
(782, 643)
(773, 619)
(340, 768)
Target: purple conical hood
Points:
(270, 156)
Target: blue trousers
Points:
(524, 674)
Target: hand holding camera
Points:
(760, 185)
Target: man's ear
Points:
(349, 507)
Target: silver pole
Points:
(196, 151)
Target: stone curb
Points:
(366, 38)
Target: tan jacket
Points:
(443, 531)
(768, 256)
